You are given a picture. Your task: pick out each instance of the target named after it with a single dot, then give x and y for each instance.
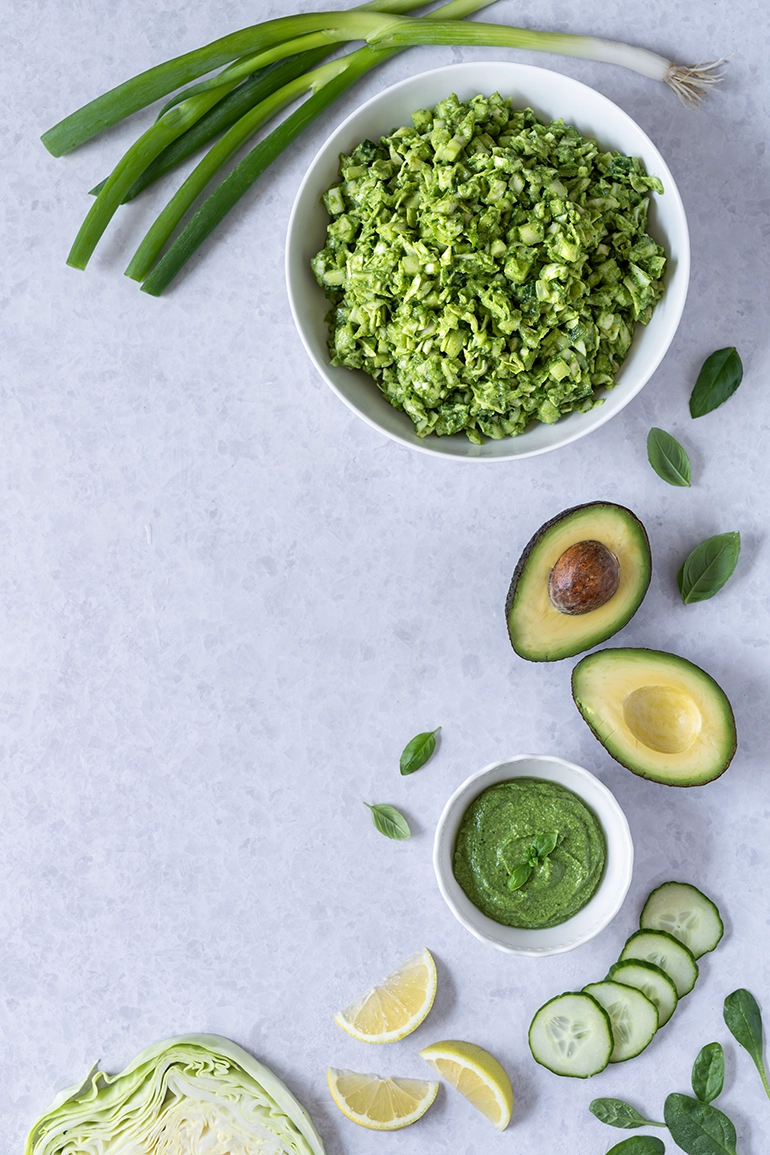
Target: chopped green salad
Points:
(486, 269)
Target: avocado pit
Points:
(662, 718)
(584, 578)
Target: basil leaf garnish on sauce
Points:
(389, 821)
(544, 844)
(417, 752)
(667, 457)
(718, 379)
(520, 876)
(708, 567)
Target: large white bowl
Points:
(550, 95)
(598, 911)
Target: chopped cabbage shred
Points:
(193, 1095)
(487, 269)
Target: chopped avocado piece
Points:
(579, 580)
(657, 714)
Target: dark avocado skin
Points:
(537, 535)
(640, 773)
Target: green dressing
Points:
(506, 835)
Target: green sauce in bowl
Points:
(507, 829)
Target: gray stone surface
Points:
(227, 603)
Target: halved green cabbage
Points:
(191, 1095)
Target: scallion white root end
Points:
(692, 82)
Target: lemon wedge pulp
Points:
(477, 1075)
(380, 1104)
(396, 1007)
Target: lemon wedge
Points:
(395, 1008)
(380, 1104)
(477, 1075)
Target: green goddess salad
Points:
(486, 269)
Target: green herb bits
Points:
(486, 269)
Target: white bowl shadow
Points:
(598, 911)
(550, 95)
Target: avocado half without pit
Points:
(580, 579)
(657, 714)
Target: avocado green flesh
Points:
(659, 715)
(496, 835)
(541, 633)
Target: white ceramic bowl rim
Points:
(551, 94)
(606, 901)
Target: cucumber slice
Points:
(571, 1035)
(656, 946)
(633, 1017)
(686, 913)
(652, 982)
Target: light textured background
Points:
(227, 604)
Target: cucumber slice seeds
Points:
(656, 946)
(684, 912)
(571, 1035)
(652, 982)
(633, 1017)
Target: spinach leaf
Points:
(744, 1022)
(388, 821)
(718, 379)
(708, 1072)
(639, 1145)
(616, 1113)
(543, 845)
(417, 752)
(708, 567)
(698, 1128)
(519, 876)
(667, 457)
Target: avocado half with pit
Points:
(580, 579)
(657, 714)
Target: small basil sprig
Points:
(389, 821)
(708, 567)
(616, 1113)
(639, 1145)
(718, 379)
(542, 846)
(667, 457)
(708, 1072)
(698, 1128)
(744, 1022)
(417, 752)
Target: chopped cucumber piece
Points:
(656, 946)
(571, 1035)
(683, 911)
(633, 1017)
(651, 981)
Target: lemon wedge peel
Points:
(380, 1104)
(475, 1074)
(396, 1007)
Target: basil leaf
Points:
(667, 457)
(417, 752)
(388, 821)
(520, 876)
(639, 1145)
(708, 1072)
(718, 379)
(744, 1022)
(698, 1128)
(708, 567)
(616, 1113)
(544, 844)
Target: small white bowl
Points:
(550, 95)
(604, 904)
